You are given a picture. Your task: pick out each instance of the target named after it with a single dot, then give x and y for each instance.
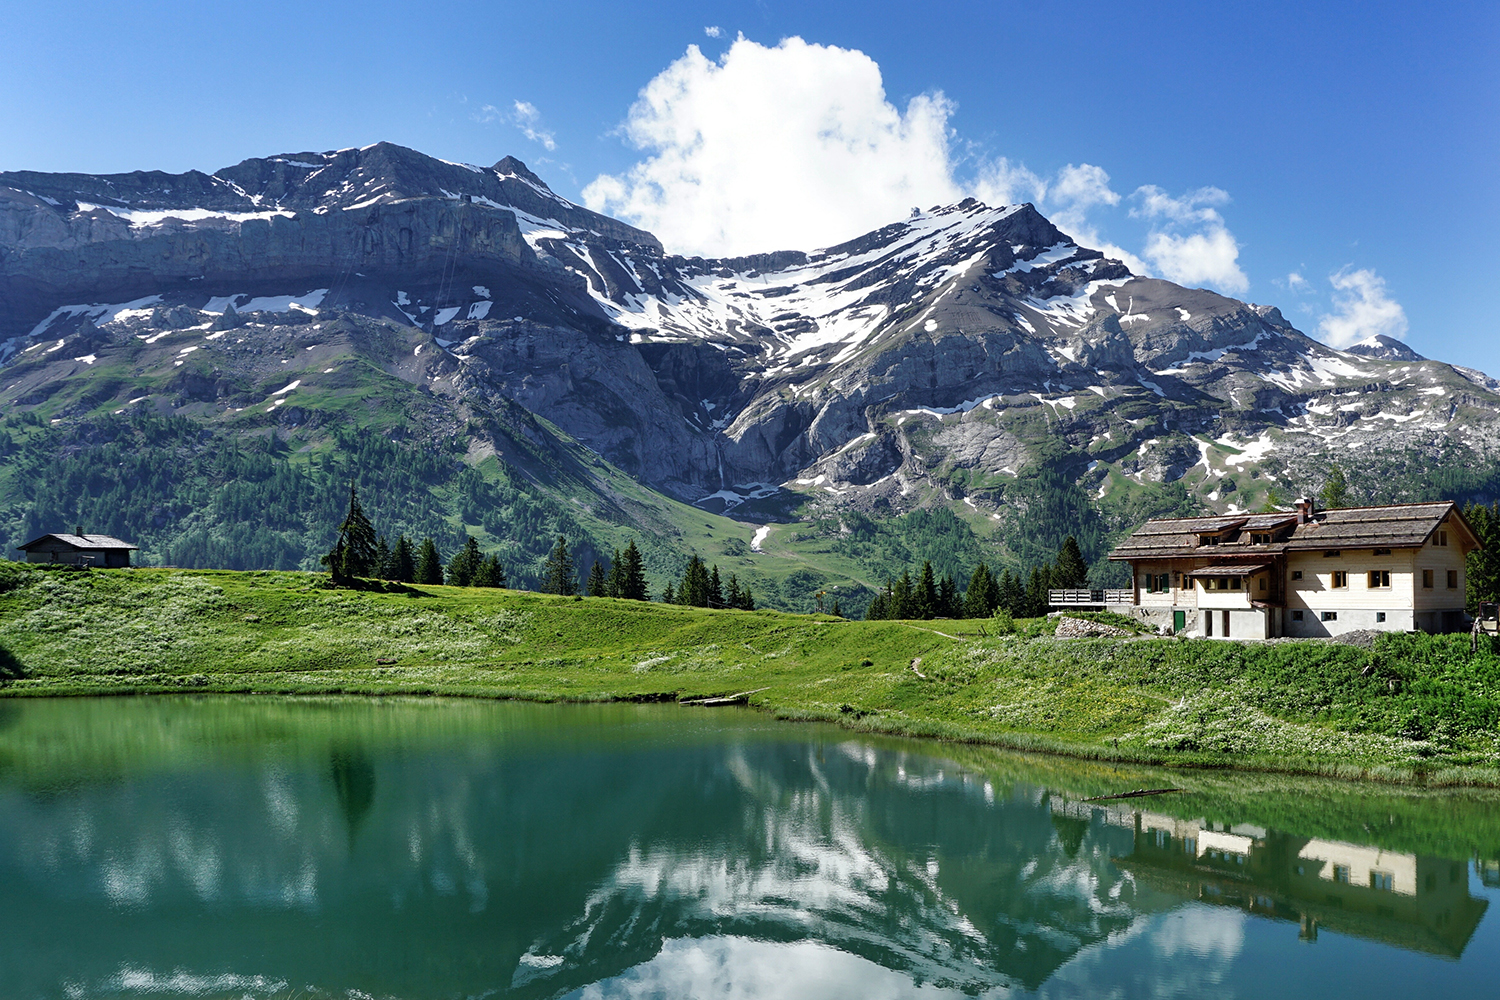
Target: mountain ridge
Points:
(927, 364)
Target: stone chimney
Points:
(1306, 507)
(78, 530)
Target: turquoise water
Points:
(424, 849)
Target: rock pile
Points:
(1078, 628)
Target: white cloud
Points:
(793, 145)
(1296, 283)
(796, 146)
(1207, 255)
(713, 31)
(1362, 309)
(527, 118)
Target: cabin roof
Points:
(1399, 526)
(79, 542)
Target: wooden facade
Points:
(1306, 573)
(78, 549)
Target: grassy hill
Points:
(1413, 708)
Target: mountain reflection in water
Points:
(431, 849)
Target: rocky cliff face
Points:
(944, 351)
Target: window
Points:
(1332, 554)
(1234, 583)
(1208, 539)
(1380, 579)
(1453, 579)
(1379, 616)
(1296, 616)
(1384, 881)
(1341, 874)
(1190, 845)
(1296, 574)
(1260, 539)
(1441, 538)
(1330, 616)
(1163, 583)
(1427, 579)
(1262, 585)
(1382, 552)
(1340, 579)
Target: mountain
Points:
(969, 375)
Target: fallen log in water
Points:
(742, 698)
(1131, 795)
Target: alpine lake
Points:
(223, 847)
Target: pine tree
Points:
(353, 554)
(558, 575)
(667, 594)
(948, 602)
(403, 561)
(429, 563)
(747, 600)
(982, 596)
(635, 574)
(598, 586)
(465, 564)
(903, 601)
(1483, 571)
(1036, 592)
(927, 594)
(1335, 492)
(383, 564)
(715, 589)
(616, 585)
(490, 573)
(732, 592)
(1071, 571)
(694, 590)
(1011, 594)
(879, 607)
(838, 609)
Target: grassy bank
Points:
(1413, 708)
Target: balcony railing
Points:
(1084, 598)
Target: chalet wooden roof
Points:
(1401, 526)
(1404, 526)
(89, 542)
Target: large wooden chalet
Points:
(1305, 573)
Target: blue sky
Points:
(1351, 145)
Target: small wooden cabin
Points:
(79, 549)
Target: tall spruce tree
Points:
(927, 593)
(490, 573)
(354, 553)
(1070, 571)
(403, 561)
(558, 573)
(948, 602)
(1011, 593)
(429, 562)
(635, 574)
(981, 597)
(1036, 592)
(465, 564)
(715, 589)
(1483, 571)
(383, 565)
(615, 587)
(598, 585)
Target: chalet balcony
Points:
(1089, 598)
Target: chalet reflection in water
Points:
(1411, 901)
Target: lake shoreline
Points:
(1414, 710)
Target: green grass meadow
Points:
(1414, 708)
